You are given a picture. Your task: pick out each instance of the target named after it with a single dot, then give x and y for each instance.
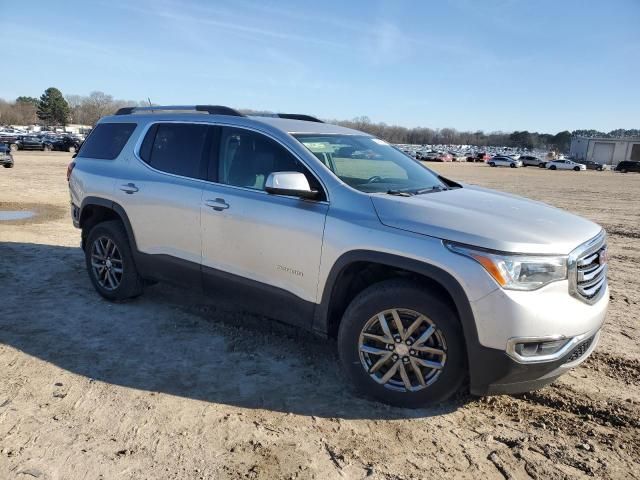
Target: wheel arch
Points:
(94, 210)
(356, 270)
(337, 295)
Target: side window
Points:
(247, 158)
(176, 148)
(107, 140)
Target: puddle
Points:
(6, 215)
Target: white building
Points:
(609, 151)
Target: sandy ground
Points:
(173, 385)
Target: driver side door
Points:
(263, 248)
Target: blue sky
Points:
(543, 65)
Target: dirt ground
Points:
(174, 385)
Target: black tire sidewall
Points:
(131, 284)
(402, 294)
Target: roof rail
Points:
(299, 116)
(290, 116)
(210, 109)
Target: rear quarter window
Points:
(107, 140)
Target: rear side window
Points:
(107, 140)
(177, 148)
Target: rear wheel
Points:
(401, 345)
(8, 165)
(110, 262)
(623, 170)
(47, 148)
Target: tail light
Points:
(70, 169)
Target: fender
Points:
(477, 354)
(116, 207)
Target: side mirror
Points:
(294, 184)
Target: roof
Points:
(282, 124)
(302, 126)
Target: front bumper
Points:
(504, 318)
(504, 375)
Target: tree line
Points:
(53, 108)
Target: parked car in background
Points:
(66, 144)
(482, 157)
(503, 161)
(6, 159)
(11, 140)
(30, 142)
(591, 165)
(565, 164)
(433, 156)
(628, 166)
(530, 161)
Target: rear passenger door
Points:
(161, 192)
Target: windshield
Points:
(371, 165)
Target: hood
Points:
(486, 218)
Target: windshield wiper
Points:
(400, 193)
(436, 188)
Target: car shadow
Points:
(172, 341)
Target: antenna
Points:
(149, 100)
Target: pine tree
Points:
(53, 109)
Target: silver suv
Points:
(427, 284)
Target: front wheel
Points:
(110, 262)
(553, 167)
(401, 345)
(491, 164)
(577, 169)
(47, 148)
(513, 165)
(8, 165)
(72, 149)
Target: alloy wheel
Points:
(106, 263)
(402, 350)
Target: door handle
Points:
(129, 188)
(218, 204)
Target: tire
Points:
(8, 165)
(407, 299)
(553, 167)
(46, 148)
(491, 164)
(624, 170)
(513, 165)
(577, 169)
(72, 149)
(129, 283)
(13, 147)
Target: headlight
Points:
(513, 271)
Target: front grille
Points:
(592, 273)
(588, 270)
(579, 351)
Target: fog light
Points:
(536, 349)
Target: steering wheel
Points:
(374, 179)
